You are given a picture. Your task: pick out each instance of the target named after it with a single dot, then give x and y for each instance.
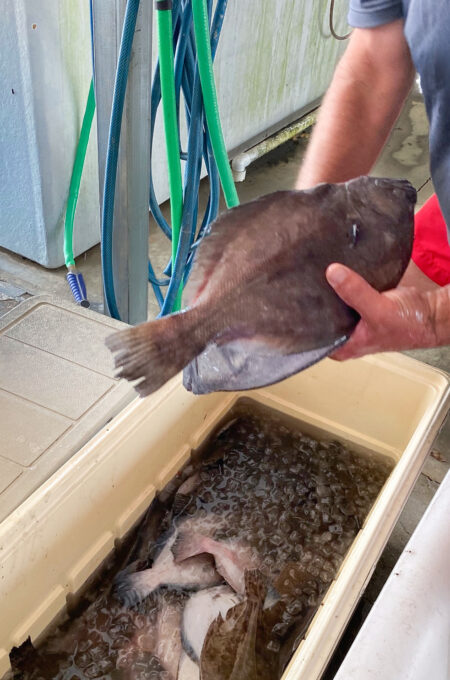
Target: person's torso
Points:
(427, 31)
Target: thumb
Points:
(352, 288)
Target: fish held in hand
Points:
(259, 307)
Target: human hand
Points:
(398, 319)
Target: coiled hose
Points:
(188, 79)
(176, 35)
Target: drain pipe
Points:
(241, 162)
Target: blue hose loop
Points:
(123, 64)
(192, 182)
(78, 287)
(155, 285)
(189, 218)
(153, 203)
(199, 145)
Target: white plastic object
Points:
(407, 632)
(55, 540)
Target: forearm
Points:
(364, 99)
(439, 302)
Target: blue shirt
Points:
(427, 32)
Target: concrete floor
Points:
(405, 155)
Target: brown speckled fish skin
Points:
(229, 649)
(258, 285)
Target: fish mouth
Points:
(400, 187)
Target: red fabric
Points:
(431, 250)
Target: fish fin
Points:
(190, 484)
(255, 585)
(131, 589)
(271, 598)
(179, 503)
(225, 369)
(155, 351)
(187, 545)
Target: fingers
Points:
(352, 288)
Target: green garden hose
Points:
(166, 64)
(205, 67)
(75, 180)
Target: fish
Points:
(192, 574)
(257, 307)
(229, 649)
(231, 559)
(188, 669)
(185, 493)
(200, 611)
(168, 647)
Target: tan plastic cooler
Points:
(60, 534)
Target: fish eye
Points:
(354, 234)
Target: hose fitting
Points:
(77, 286)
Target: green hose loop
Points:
(75, 180)
(205, 67)
(166, 64)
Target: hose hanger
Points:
(163, 5)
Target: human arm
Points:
(363, 101)
(399, 319)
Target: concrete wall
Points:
(45, 71)
(274, 59)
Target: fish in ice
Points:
(168, 647)
(258, 306)
(200, 611)
(230, 648)
(191, 574)
(231, 559)
(188, 669)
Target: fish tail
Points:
(180, 503)
(131, 589)
(188, 545)
(157, 350)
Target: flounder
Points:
(258, 307)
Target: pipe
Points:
(205, 67)
(241, 162)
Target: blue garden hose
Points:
(199, 144)
(186, 78)
(109, 189)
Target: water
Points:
(297, 502)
